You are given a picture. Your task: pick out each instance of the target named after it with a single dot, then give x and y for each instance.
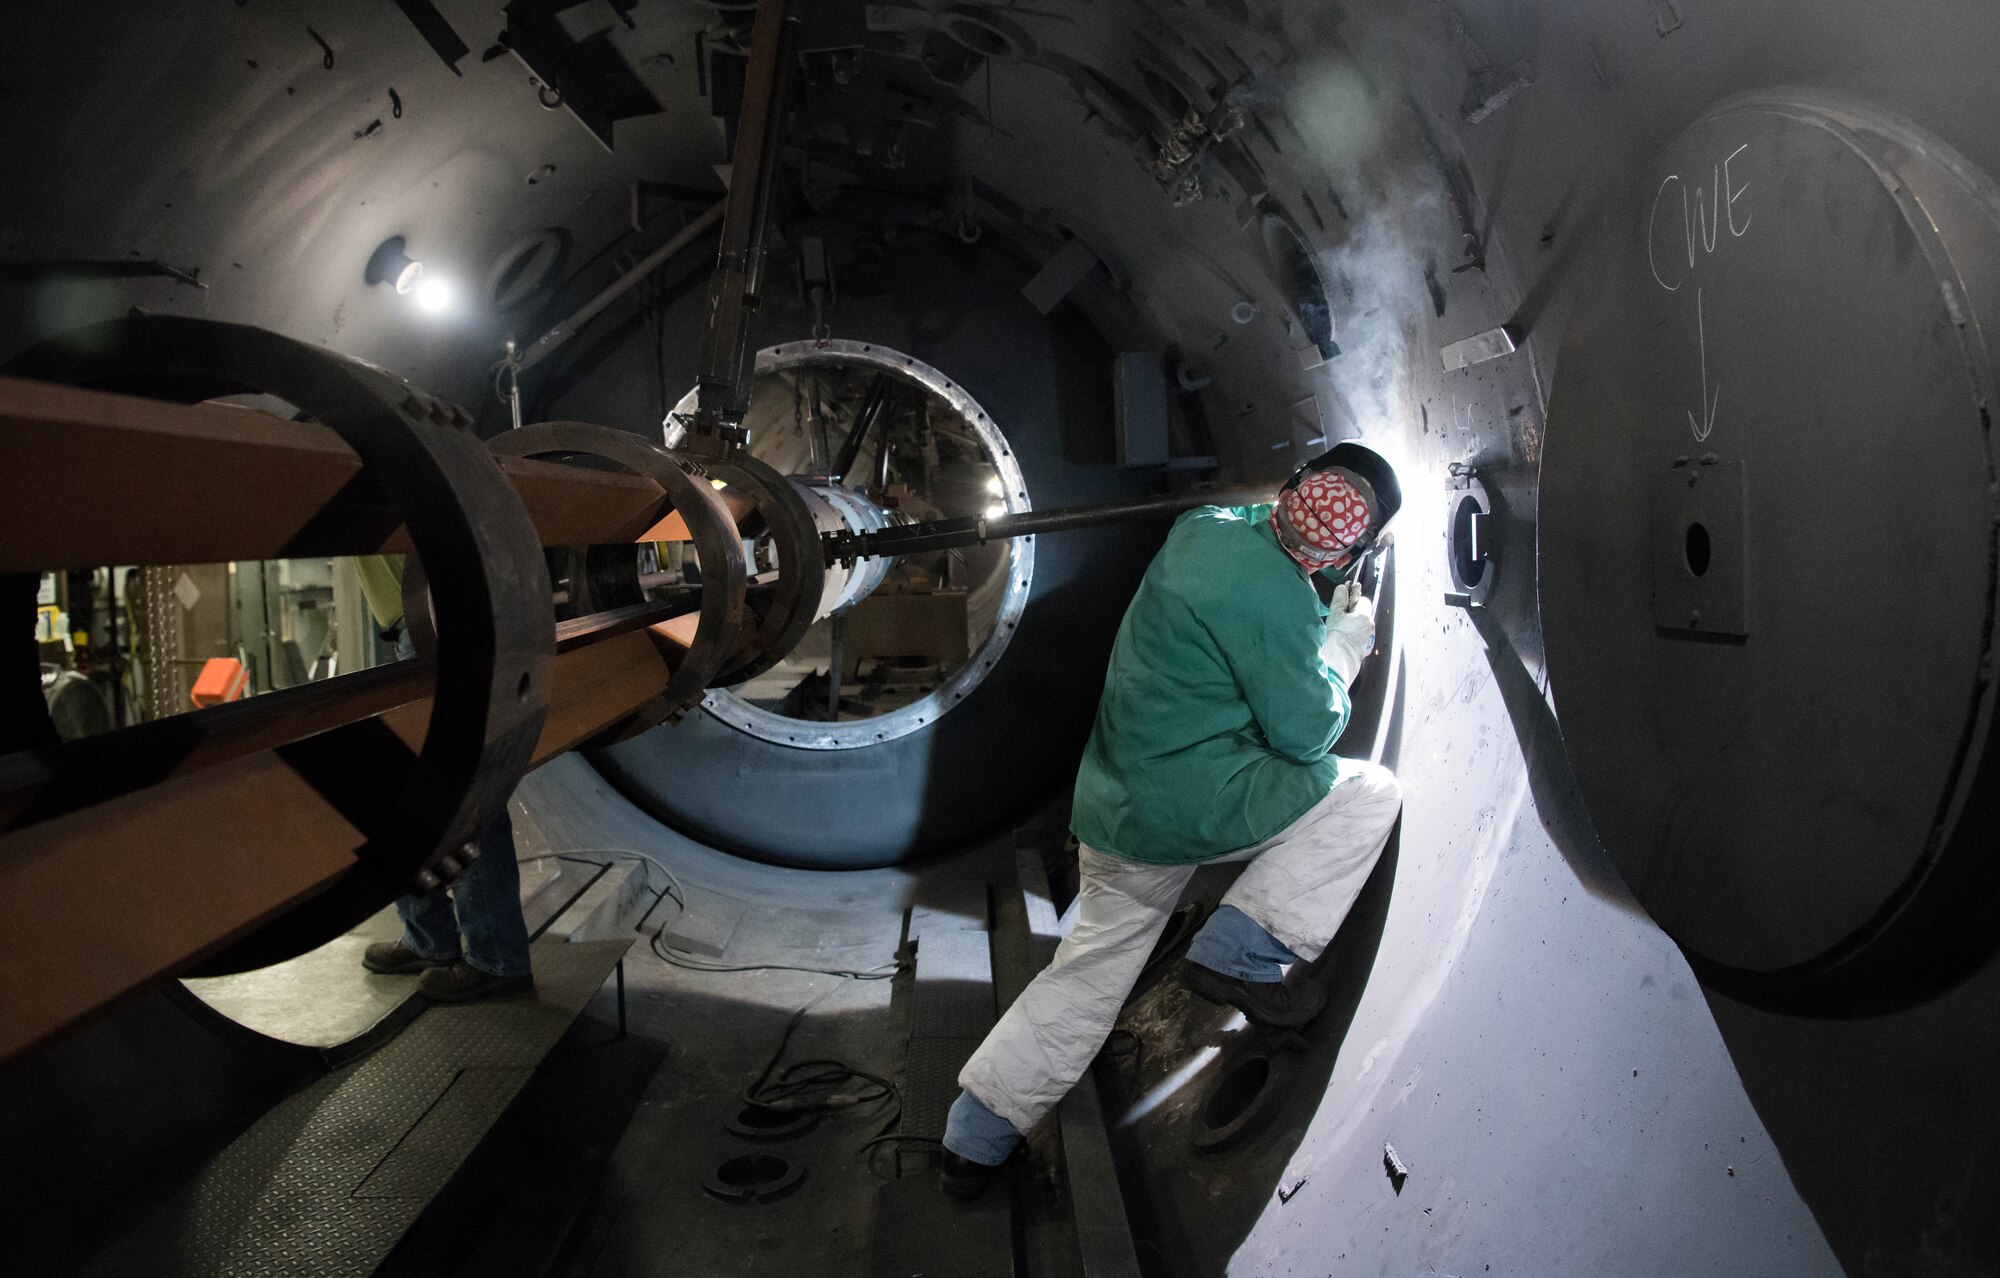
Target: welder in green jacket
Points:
(1226, 692)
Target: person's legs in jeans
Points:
(487, 898)
(484, 907)
(429, 926)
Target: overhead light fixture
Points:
(391, 264)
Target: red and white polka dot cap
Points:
(1320, 521)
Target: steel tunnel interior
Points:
(1681, 959)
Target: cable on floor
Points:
(825, 1085)
(661, 950)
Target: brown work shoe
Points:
(393, 958)
(1269, 1003)
(464, 983)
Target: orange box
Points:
(222, 679)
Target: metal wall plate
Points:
(1701, 550)
(1804, 284)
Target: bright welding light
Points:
(994, 486)
(995, 510)
(1181, 1077)
(432, 295)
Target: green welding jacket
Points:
(1218, 718)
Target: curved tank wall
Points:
(1564, 1094)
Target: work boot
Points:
(393, 958)
(464, 983)
(964, 1180)
(1269, 1003)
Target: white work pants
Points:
(1299, 887)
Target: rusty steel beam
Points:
(571, 506)
(110, 897)
(101, 898)
(97, 479)
(41, 784)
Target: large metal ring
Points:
(416, 811)
(744, 716)
(718, 631)
(787, 611)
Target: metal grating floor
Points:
(918, 1231)
(328, 1181)
(951, 1010)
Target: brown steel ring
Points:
(723, 571)
(415, 812)
(787, 611)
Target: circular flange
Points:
(786, 610)
(525, 269)
(753, 1178)
(1767, 550)
(710, 525)
(812, 735)
(760, 1122)
(988, 33)
(1244, 1097)
(1472, 575)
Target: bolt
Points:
(1694, 618)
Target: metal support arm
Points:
(723, 382)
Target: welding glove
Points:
(1350, 632)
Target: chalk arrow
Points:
(1702, 428)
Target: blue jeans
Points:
(975, 1132)
(1233, 944)
(484, 907)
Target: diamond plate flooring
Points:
(328, 1181)
(918, 1230)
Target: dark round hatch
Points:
(1767, 547)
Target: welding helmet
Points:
(1333, 510)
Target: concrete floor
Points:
(598, 1171)
(715, 1031)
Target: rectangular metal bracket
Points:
(1701, 550)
